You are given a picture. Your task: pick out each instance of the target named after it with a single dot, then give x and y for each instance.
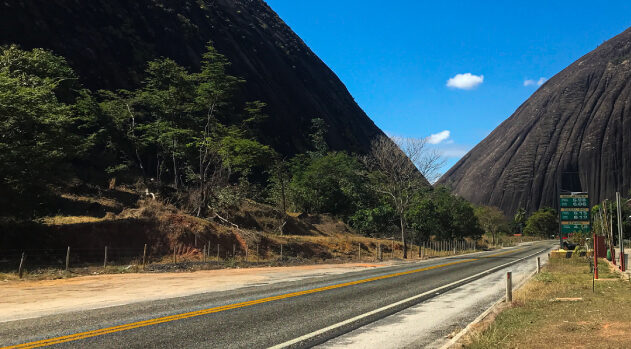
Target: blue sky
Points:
(396, 57)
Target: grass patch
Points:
(537, 319)
(60, 220)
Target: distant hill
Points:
(574, 133)
(108, 42)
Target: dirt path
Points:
(28, 299)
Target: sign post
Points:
(623, 267)
(574, 215)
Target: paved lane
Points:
(262, 316)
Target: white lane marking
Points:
(393, 305)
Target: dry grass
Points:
(505, 240)
(56, 273)
(346, 246)
(324, 249)
(59, 220)
(537, 319)
(314, 239)
(107, 202)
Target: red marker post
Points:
(595, 258)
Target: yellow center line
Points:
(499, 254)
(155, 321)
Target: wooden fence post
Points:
(144, 257)
(21, 267)
(509, 287)
(67, 258)
(105, 258)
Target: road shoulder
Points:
(559, 306)
(29, 299)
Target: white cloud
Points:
(437, 138)
(530, 82)
(466, 81)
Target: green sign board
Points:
(574, 200)
(574, 213)
(575, 227)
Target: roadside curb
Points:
(498, 307)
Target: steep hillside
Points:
(574, 133)
(108, 43)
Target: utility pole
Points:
(608, 231)
(620, 236)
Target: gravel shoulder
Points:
(29, 299)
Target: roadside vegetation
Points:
(557, 309)
(76, 162)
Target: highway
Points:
(290, 314)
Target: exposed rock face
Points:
(109, 42)
(573, 133)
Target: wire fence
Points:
(67, 257)
(71, 258)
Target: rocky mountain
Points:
(109, 42)
(574, 133)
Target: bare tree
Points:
(399, 177)
(428, 161)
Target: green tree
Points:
(424, 218)
(520, 216)
(223, 151)
(543, 222)
(157, 119)
(332, 183)
(240, 155)
(380, 220)
(456, 216)
(43, 126)
(439, 213)
(319, 129)
(189, 128)
(492, 220)
(466, 223)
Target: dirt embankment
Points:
(119, 220)
(163, 229)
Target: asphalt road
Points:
(291, 313)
